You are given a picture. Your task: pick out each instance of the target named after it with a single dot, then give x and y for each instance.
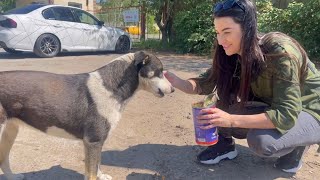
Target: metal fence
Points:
(115, 17)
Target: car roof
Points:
(56, 5)
(34, 6)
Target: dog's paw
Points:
(104, 177)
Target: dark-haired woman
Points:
(268, 90)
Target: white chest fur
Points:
(107, 106)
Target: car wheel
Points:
(12, 51)
(47, 45)
(123, 44)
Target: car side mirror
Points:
(100, 23)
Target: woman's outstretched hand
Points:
(214, 117)
(172, 78)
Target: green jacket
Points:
(279, 86)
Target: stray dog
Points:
(84, 106)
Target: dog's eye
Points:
(150, 74)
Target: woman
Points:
(268, 89)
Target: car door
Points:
(56, 27)
(90, 28)
(107, 38)
(71, 30)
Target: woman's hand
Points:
(172, 78)
(214, 117)
(187, 86)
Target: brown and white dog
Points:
(84, 106)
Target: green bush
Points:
(194, 29)
(151, 44)
(301, 21)
(150, 25)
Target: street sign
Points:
(131, 15)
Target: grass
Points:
(152, 45)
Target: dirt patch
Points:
(154, 139)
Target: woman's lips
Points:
(226, 47)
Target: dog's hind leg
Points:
(8, 133)
(92, 161)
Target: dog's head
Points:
(151, 76)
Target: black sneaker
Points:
(291, 162)
(224, 149)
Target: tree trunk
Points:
(162, 21)
(143, 21)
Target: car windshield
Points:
(25, 9)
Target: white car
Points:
(47, 30)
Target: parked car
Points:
(47, 30)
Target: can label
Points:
(204, 137)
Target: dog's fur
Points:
(84, 106)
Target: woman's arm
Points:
(188, 86)
(256, 121)
(217, 117)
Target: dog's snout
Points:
(172, 89)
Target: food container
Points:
(203, 137)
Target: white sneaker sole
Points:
(293, 170)
(230, 155)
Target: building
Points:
(87, 5)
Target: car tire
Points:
(123, 45)
(12, 51)
(47, 46)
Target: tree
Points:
(283, 4)
(165, 11)
(164, 18)
(117, 3)
(6, 5)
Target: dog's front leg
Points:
(92, 161)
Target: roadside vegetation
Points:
(193, 32)
(186, 26)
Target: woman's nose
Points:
(220, 39)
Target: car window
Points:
(85, 17)
(48, 14)
(63, 14)
(25, 9)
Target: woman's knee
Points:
(261, 143)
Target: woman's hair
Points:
(268, 45)
(242, 12)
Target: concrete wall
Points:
(87, 5)
(20, 3)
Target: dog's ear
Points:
(141, 57)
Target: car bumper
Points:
(5, 38)
(14, 40)
(3, 45)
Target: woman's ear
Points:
(141, 57)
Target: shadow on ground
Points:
(54, 173)
(179, 162)
(30, 55)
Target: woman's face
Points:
(229, 34)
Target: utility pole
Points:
(143, 20)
